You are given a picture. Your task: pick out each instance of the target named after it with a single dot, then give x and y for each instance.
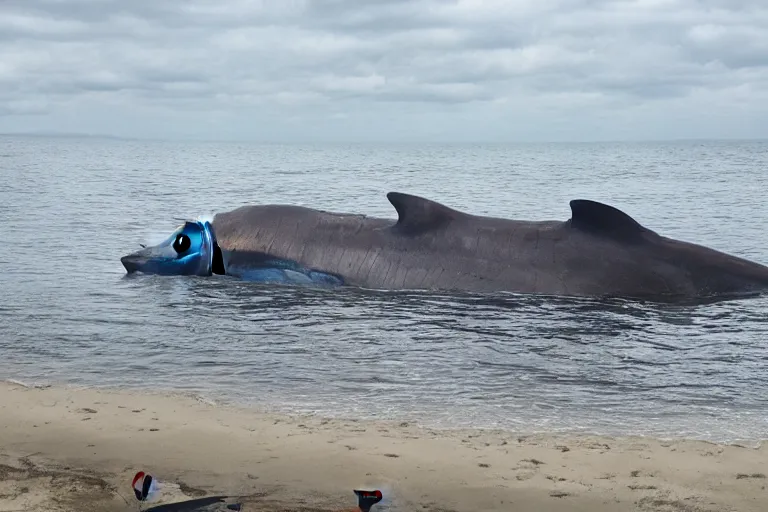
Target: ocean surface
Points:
(70, 208)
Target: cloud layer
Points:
(386, 69)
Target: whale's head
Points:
(190, 250)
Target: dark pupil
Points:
(181, 244)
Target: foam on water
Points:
(207, 217)
(34, 385)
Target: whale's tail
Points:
(367, 499)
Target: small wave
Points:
(26, 385)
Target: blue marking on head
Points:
(192, 250)
(188, 251)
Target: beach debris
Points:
(207, 504)
(145, 486)
(367, 499)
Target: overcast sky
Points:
(389, 70)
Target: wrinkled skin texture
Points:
(600, 251)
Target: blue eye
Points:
(182, 243)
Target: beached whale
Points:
(600, 251)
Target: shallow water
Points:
(68, 314)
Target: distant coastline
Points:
(65, 135)
(97, 136)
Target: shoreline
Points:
(222, 399)
(50, 436)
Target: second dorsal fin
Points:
(417, 214)
(605, 220)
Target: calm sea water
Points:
(70, 208)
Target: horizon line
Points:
(72, 135)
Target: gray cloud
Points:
(346, 69)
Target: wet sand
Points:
(64, 449)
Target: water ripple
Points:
(68, 313)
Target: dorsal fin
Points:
(605, 220)
(417, 214)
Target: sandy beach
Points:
(65, 449)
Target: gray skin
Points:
(598, 252)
